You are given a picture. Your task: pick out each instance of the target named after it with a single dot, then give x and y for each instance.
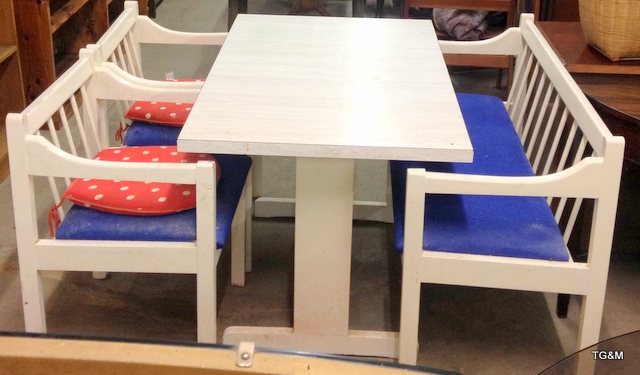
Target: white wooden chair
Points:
(503, 221)
(121, 46)
(189, 242)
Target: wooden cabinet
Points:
(51, 32)
(559, 10)
(11, 93)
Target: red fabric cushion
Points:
(137, 197)
(166, 113)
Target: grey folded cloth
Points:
(461, 24)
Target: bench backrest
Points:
(57, 134)
(121, 44)
(557, 125)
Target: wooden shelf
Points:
(11, 94)
(63, 14)
(50, 34)
(567, 39)
(7, 51)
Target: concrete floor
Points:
(468, 330)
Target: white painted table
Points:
(327, 91)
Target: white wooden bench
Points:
(122, 47)
(504, 220)
(56, 139)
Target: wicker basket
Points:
(612, 26)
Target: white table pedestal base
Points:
(323, 234)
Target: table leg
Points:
(300, 5)
(236, 7)
(358, 8)
(323, 228)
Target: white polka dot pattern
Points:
(165, 113)
(137, 197)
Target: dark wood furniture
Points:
(559, 10)
(612, 87)
(11, 94)
(50, 34)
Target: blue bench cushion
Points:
(86, 224)
(522, 227)
(142, 133)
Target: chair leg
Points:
(33, 300)
(379, 6)
(206, 298)
(590, 320)
(238, 239)
(409, 319)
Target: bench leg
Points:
(562, 306)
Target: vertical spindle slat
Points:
(545, 136)
(135, 53)
(534, 138)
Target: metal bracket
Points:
(244, 356)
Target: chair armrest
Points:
(49, 160)
(571, 182)
(111, 82)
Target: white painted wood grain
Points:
(358, 88)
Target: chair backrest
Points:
(57, 134)
(557, 125)
(121, 44)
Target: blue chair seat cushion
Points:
(521, 227)
(86, 224)
(142, 133)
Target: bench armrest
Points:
(507, 43)
(571, 182)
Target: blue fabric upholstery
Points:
(88, 224)
(521, 227)
(148, 134)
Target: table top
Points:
(334, 87)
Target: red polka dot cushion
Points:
(166, 113)
(137, 197)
